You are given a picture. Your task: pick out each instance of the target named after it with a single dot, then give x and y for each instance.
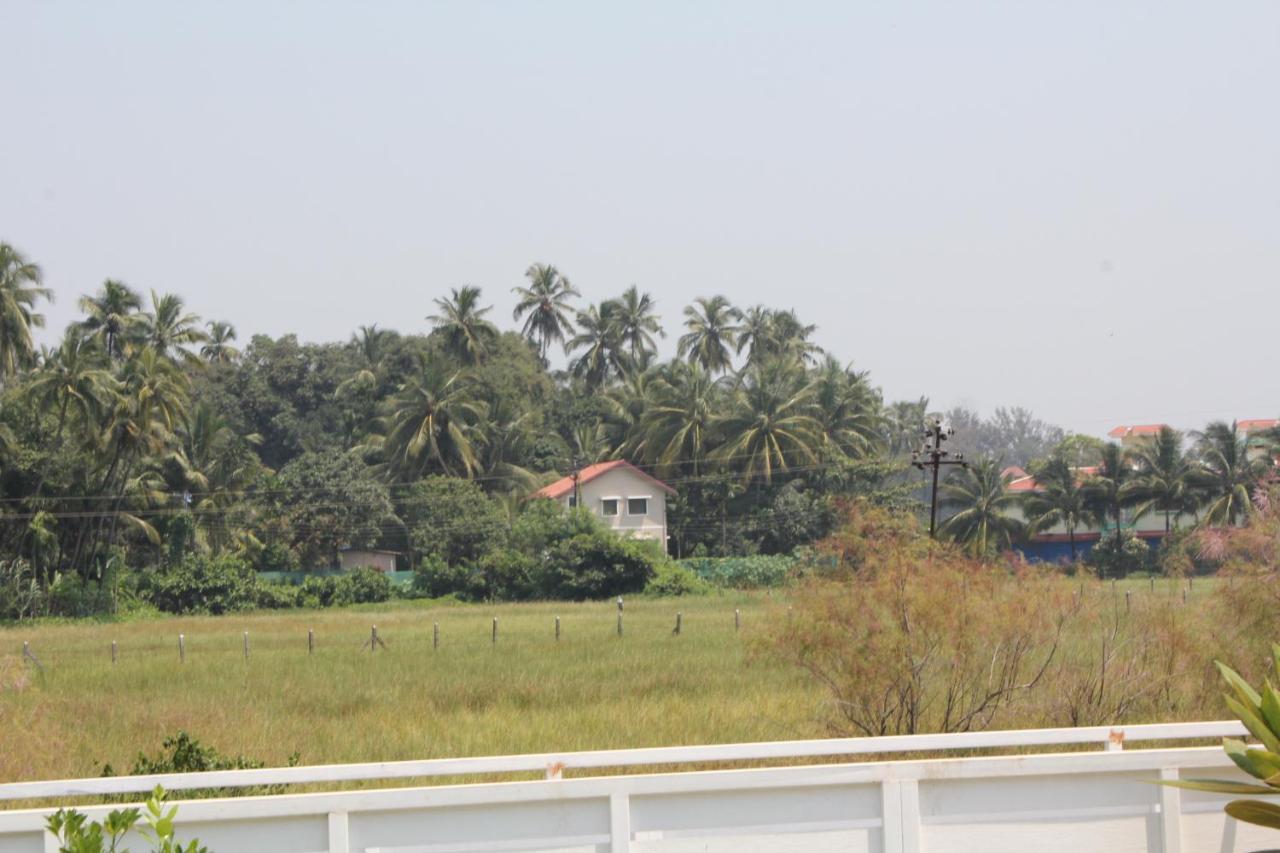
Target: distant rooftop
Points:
(564, 485)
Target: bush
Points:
(671, 579)
(20, 594)
(451, 519)
(316, 591)
(366, 585)
(594, 565)
(201, 584)
(435, 578)
(757, 572)
(181, 753)
(1119, 553)
(275, 596)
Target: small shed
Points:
(350, 559)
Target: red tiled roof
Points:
(1027, 483)
(1138, 429)
(1013, 472)
(1257, 424)
(564, 485)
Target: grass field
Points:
(526, 693)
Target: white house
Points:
(350, 559)
(626, 498)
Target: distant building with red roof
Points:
(628, 500)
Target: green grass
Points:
(527, 693)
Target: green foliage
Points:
(200, 584)
(365, 585)
(1119, 553)
(76, 834)
(451, 519)
(594, 565)
(673, 579)
(1259, 711)
(756, 572)
(182, 753)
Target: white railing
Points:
(1084, 799)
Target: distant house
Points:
(350, 559)
(628, 500)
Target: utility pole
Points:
(931, 455)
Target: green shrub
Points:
(670, 579)
(201, 584)
(365, 585)
(76, 834)
(594, 565)
(181, 753)
(316, 591)
(756, 572)
(276, 596)
(1119, 553)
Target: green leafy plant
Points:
(77, 834)
(1260, 713)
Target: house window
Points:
(608, 507)
(637, 506)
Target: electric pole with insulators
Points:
(931, 455)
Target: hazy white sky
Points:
(1073, 207)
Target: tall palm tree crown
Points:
(544, 304)
(979, 501)
(430, 425)
(111, 317)
(712, 333)
(468, 335)
(1112, 487)
(168, 329)
(218, 348)
(637, 324)
(1060, 499)
(599, 337)
(772, 424)
(1165, 479)
(679, 428)
(1226, 475)
(20, 287)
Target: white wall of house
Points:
(621, 490)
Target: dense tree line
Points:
(146, 434)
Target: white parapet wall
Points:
(1030, 795)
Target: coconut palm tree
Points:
(544, 304)
(111, 317)
(1059, 499)
(790, 337)
(213, 466)
(712, 333)
(1165, 480)
(1226, 476)
(430, 425)
(20, 288)
(1111, 488)
(370, 344)
(599, 338)
(848, 409)
(979, 501)
(637, 324)
(772, 423)
(678, 430)
(218, 348)
(755, 334)
(467, 334)
(73, 380)
(168, 329)
(905, 423)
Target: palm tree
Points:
(1112, 486)
(1059, 499)
(600, 340)
(772, 424)
(980, 502)
(168, 330)
(790, 337)
(678, 429)
(906, 421)
(1226, 475)
(429, 425)
(1165, 480)
(370, 344)
(711, 333)
(755, 334)
(20, 287)
(218, 349)
(629, 401)
(72, 379)
(213, 467)
(112, 317)
(545, 306)
(461, 320)
(637, 324)
(848, 409)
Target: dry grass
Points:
(527, 693)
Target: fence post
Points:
(1184, 596)
(246, 645)
(495, 630)
(737, 619)
(1127, 595)
(557, 629)
(677, 628)
(435, 635)
(182, 648)
(619, 623)
(1153, 583)
(311, 641)
(113, 652)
